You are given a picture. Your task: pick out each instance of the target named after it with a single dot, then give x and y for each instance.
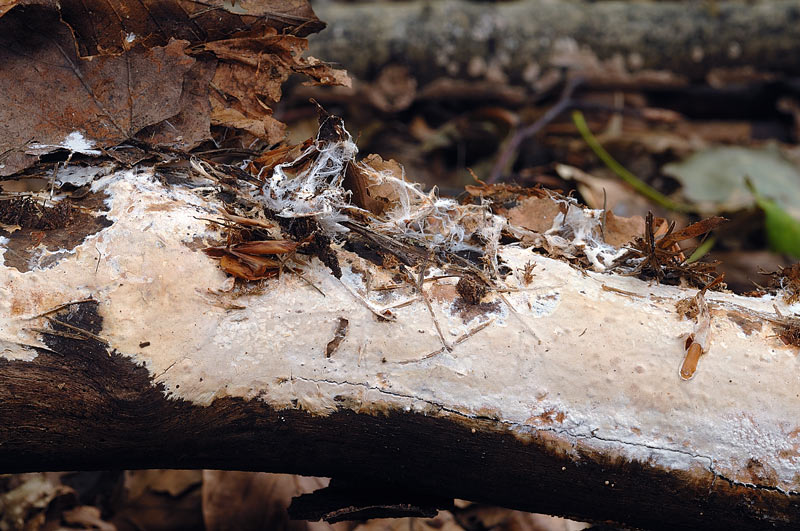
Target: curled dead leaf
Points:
(534, 213)
(692, 231)
(369, 191)
(101, 102)
(249, 260)
(124, 70)
(621, 230)
(236, 267)
(265, 247)
(251, 68)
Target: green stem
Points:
(702, 250)
(636, 183)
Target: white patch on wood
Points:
(605, 373)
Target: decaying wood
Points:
(557, 390)
(521, 40)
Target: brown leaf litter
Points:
(210, 499)
(319, 193)
(85, 76)
(254, 259)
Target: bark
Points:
(522, 40)
(563, 397)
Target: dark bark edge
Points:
(79, 407)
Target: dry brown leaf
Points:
(368, 191)
(256, 500)
(87, 517)
(620, 230)
(261, 125)
(109, 70)
(534, 213)
(255, 248)
(242, 58)
(500, 519)
(263, 165)
(5, 5)
(692, 231)
(252, 67)
(48, 93)
(321, 73)
(172, 482)
(24, 505)
(393, 91)
(149, 502)
(264, 247)
(191, 125)
(157, 21)
(258, 264)
(238, 268)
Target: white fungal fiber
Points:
(579, 231)
(317, 191)
(439, 222)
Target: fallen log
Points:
(556, 389)
(520, 41)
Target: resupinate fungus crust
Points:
(583, 354)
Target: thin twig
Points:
(421, 290)
(51, 332)
(457, 342)
(520, 319)
(302, 277)
(60, 307)
(388, 317)
(401, 304)
(563, 103)
(27, 345)
(605, 214)
(78, 330)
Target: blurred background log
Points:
(519, 41)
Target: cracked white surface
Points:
(605, 372)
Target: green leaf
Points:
(783, 230)
(714, 179)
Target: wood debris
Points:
(659, 257)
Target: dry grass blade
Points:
(247, 222)
(266, 247)
(61, 307)
(81, 331)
